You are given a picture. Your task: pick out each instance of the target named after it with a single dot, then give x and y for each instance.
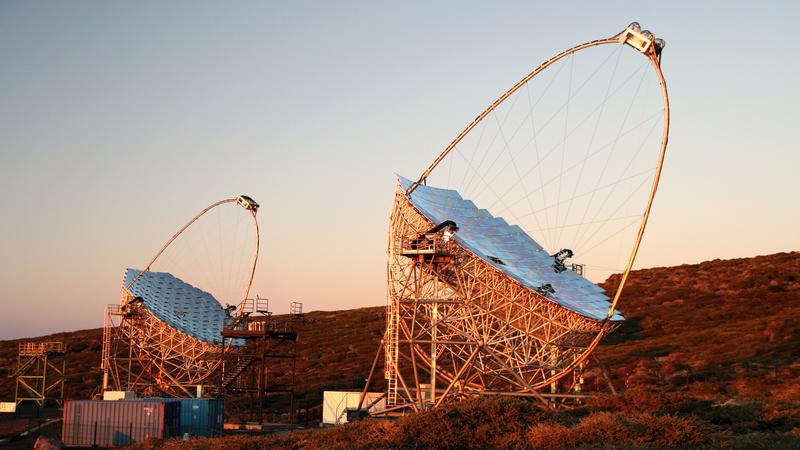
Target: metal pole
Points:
(434, 318)
(458, 375)
(371, 372)
(130, 353)
(263, 378)
(294, 368)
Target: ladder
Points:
(391, 355)
(108, 325)
(392, 337)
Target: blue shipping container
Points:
(199, 416)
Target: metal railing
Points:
(296, 308)
(266, 323)
(423, 244)
(40, 348)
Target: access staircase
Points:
(237, 370)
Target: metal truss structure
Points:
(245, 369)
(41, 372)
(143, 353)
(459, 326)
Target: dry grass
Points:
(709, 357)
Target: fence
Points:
(95, 434)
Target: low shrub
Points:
(617, 430)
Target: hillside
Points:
(721, 320)
(335, 352)
(716, 333)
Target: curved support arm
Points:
(247, 203)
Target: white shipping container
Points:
(335, 403)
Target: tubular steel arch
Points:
(431, 356)
(141, 352)
(246, 203)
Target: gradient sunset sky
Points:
(119, 121)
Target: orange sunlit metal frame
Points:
(406, 363)
(141, 352)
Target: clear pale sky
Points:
(119, 121)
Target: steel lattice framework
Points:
(41, 372)
(142, 353)
(457, 325)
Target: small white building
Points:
(335, 404)
(119, 395)
(8, 407)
